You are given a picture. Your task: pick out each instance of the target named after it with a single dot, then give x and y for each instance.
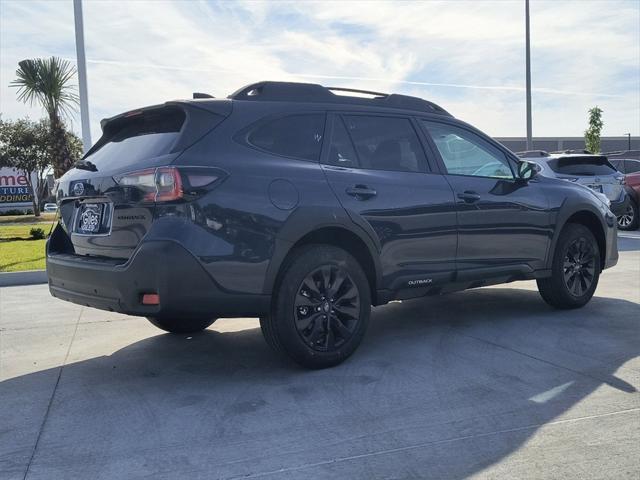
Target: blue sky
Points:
(467, 56)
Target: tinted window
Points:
(632, 166)
(341, 152)
(582, 166)
(465, 153)
(145, 135)
(298, 136)
(385, 143)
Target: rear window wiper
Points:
(86, 165)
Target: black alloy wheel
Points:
(579, 266)
(575, 269)
(327, 308)
(320, 307)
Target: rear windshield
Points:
(143, 135)
(582, 166)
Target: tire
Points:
(629, 219)
(315, 321)
(575, 269)
(181, 325)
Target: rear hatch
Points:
(107, 203)
(593, 171)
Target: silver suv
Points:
(592, 171)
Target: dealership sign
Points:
(15, 191)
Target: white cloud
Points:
(467, 56)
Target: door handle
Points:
(469, 197)
(361, 192)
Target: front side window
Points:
(465, 153)
(298, 136)
(384, 143)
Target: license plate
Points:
(597, 188)
(90, 218)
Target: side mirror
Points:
(527, 170)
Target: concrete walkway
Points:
(489, 383)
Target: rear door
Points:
(504, 223)
(378, 170)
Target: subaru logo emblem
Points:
(78, 189)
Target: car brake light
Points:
(166, 184)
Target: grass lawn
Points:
(19, 252)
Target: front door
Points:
(503, 222)
(378, 170)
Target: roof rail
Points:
(311, 92)
(355, 90)
(197, 95)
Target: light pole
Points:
(528, 61)
(628, 141)
(82, 75)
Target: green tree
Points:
(24, 146)
(48, 82)
(592, 134)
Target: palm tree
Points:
(47, 81)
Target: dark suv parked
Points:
(304, 206)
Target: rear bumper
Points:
(163, 267)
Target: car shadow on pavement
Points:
(441, 387)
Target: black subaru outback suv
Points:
(304, 206)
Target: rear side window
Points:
(384, 143)
(582, 166)
(147, 134)
(297, 136)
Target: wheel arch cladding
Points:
(591, 221)
(341, 237)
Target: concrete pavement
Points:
(489, 383)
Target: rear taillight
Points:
(166, 184)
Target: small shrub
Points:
(37, 233)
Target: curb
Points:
(29, 277)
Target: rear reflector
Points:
(151, 299)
